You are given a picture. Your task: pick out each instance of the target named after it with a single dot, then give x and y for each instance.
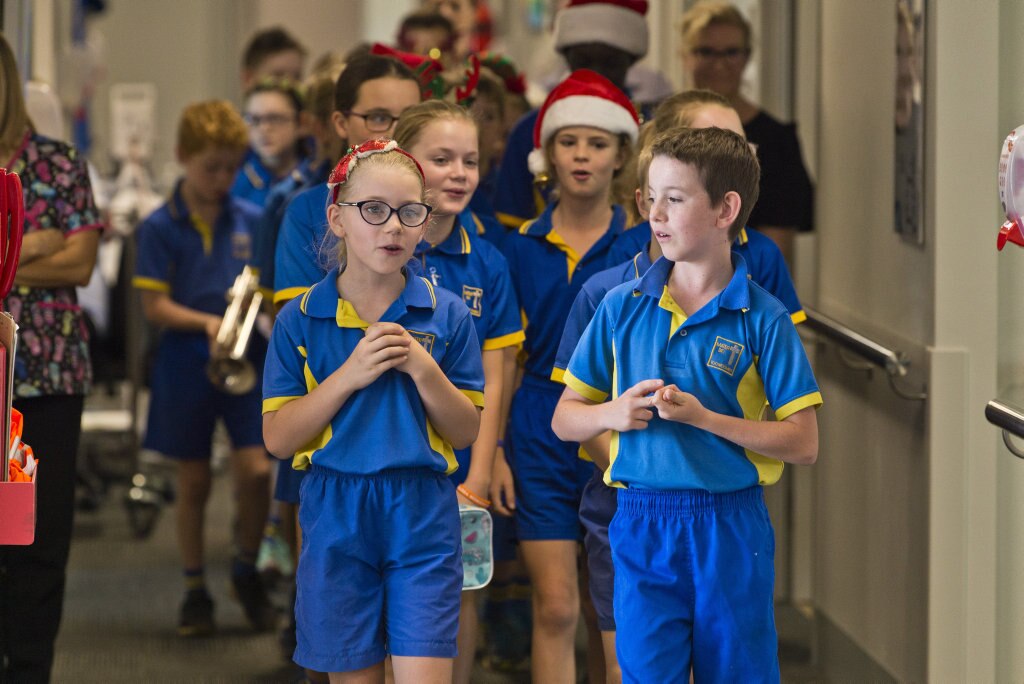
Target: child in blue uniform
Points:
(584, 136)
(694, 109)
(189, 253)
(443, 138)
(372, 380)
(273, 110)
(691, 541)
(371, 93)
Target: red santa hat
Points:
(584, 98)
(619, 23)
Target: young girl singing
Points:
(372, 380)
(443, 138)
(583, 136)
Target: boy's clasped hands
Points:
(632, 409)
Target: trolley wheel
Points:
(143, 504)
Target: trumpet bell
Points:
(234, 376)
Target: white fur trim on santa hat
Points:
(587, 110)
(536, 162)
(602, 23)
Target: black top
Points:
(787, 197)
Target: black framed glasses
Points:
(377, 213)
(377, 121)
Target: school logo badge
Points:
(725, 355)
(426, 340)
(474, 297)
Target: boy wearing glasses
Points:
(272, 111)
(189, 253)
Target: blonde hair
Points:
(213, 123)
(332, 250)
(14, 119)
(415, 119)
(705, 14)
(676, 111)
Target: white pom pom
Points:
(536, 162)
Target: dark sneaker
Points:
(196, 614)
(249, 591)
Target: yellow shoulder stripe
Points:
(592, 393)
(151, 284)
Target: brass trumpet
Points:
(228, 369)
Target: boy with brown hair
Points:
(189, 254)
(690, 355)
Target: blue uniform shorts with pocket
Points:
(184, 405)
(694, 575)
(380, 570)
(597, 508)
(549, 475)
(289, 480)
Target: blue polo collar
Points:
(542, 225)
(457, 241)
(322, 301)
(736, 294)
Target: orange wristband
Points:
(478, 500)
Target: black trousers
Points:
(32, 577)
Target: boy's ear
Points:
(729, 209)
(641, 205)
(178, 155)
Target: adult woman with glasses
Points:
(716, 50)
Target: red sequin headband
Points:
(341, 172)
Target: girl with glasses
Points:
(443, 138)
(372, 380)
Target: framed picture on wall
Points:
(908, 177)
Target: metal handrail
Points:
(893, 362)
(1010, 419)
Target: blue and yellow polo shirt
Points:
(484, 226)
(298, 263)
(195, 263)
(765, 262)
(475, 270)
(301, 178)
(384, 425)
(547, 274)
(254, 180)
(591, 294)
(738, 354)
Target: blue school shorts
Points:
(184, 405)
(289, 480)
(694, 575)
(549, 475)
(380, 571)
(597, 508)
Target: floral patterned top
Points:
(53, 342)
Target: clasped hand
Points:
(383, 347)
(634, 408)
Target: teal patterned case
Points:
(477, 547)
